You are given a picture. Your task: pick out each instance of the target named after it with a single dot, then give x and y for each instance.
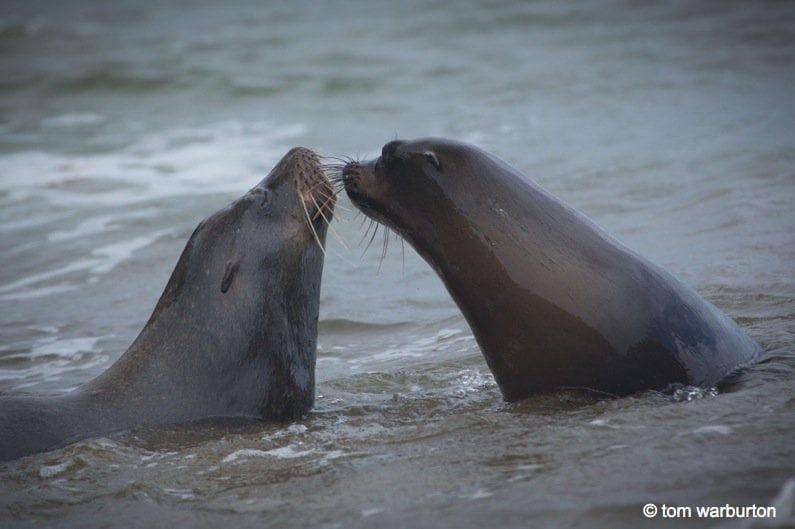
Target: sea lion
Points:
(234, 333)
(553, 301)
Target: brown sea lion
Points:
(234, 333)
(553, 301)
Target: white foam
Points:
(112, 255)
(443, 340)
(76, 119)
(182, 494)
(289, 452)
(448, 333)
(64, 347)
(51, 358)
(284, 452)
(33, 221)
(710, 429)
(39, 292)
(472, 381)
(50, 471)
(226, 157)
(297, 429)
(32, 279)
(477, 495)
(784, 502)
(102, 260)
(91, 226)
(244, 453)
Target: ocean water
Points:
(671, 124)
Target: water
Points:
(123, 125)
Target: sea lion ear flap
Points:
(229, 274)
(432, 159)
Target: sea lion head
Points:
(278, 227)
(419, 188)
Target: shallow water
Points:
(670, 124)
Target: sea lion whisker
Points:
(335, 179)
(321, 183)
(329, 190)
(318, 212)
(402, 256)
(338, 208)
(321, 187)
(328, 221)
(339, 189)
(333, 170)
(338, 185)
(338, 237)
(341, 160)
(367, 230)
(375, 226)
(365, 219)
(384, 248)
(334, 233)
(322, 192)
(341, 210)
(317, 189)
(312, 228)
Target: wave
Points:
(343, 325)
(218, 158)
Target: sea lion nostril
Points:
(349, 173)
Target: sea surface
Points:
(671, 124)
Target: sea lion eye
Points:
(229, 274)
(431, 158)
(264, 199)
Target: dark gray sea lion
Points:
(234, 333)
(553, 301)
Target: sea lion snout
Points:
(351, 174)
